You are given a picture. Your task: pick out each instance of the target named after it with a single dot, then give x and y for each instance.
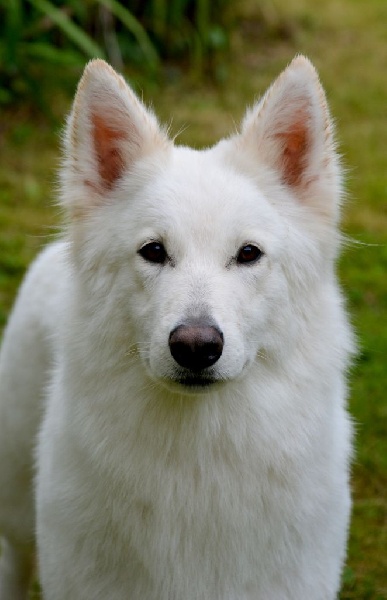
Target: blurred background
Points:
(199, 63)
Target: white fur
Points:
(146, 489)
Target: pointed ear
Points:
(108, 130)
(290, 131)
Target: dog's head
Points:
(202, 263)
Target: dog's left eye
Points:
(154, 252)
(248, 254)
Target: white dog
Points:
(177, 363)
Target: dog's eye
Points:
(248, 254)
(154, 252)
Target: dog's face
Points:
(205, 250)
(202, 258)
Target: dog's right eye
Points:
(248, 254)
(154, 252)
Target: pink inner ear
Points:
(295, 145)
(109, 153)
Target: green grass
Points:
(347, 41)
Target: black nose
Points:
(196, 346)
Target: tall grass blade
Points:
(203, 19)
(49, 54)
(71, 30)
(13, 30)
(160, 16)
(135, 28)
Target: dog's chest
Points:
(188, 494)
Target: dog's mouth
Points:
(192, 382)
(196, 381)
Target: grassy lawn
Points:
(347, 41)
